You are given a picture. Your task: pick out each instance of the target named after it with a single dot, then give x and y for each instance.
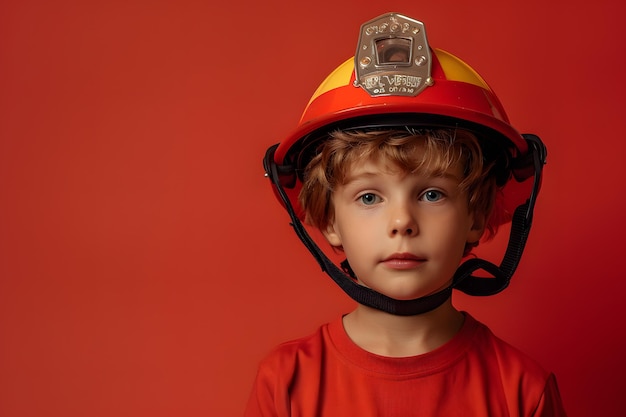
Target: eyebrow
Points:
(359, 175)
(425, 173)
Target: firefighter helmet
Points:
(396, 80)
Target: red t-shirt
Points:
(474, 374)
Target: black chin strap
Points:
(520, 228)
(463, 278)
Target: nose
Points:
(403, 221)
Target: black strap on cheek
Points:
(358, 293)
(520, 228)
(472, 285)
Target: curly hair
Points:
(425, 150)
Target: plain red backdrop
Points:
(145, 266)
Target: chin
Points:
(412, 293)
(407, 295)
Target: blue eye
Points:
(432, 196)
(368, 199)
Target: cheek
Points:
(452, 231)
(357, 240)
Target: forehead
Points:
(371, 167)
(426, 167)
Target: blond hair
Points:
(410, 151)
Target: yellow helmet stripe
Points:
(453, 68)
(457, 70)
(340, 77)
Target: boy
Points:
(404, 160)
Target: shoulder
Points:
(526, 384)
(511, 360)
(281, 369)
(283, 361)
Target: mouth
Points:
(403, 261)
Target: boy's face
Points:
(403, 234)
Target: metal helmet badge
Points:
(393, 57)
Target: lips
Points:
(403, 261)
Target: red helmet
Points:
(397, 80)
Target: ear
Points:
(478, 228)
(332, 236)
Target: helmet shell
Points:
(457, 96)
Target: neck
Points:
(400, 336)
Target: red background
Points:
(145, 266)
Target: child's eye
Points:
(432, 196)
(369, 198)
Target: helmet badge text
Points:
(393, 57)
